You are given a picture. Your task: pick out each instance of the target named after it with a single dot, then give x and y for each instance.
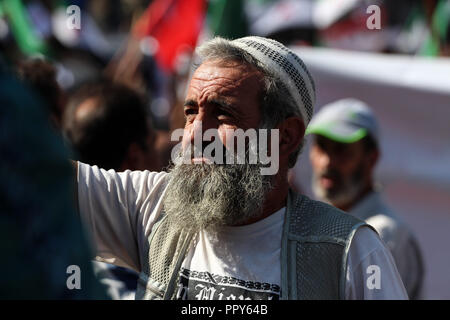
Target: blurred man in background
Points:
(41, 76)
(108, 126)
(343, 156)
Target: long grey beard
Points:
(208, 196)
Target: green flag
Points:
(28, 42)
(439, 28)
(227, 18)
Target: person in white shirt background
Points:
(343, 155)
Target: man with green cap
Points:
(344, 154)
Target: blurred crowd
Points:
(113, 89)
(148, 44)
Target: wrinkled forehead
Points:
(232, 72)
(228, 72)
(233, 86)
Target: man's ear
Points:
(292, 131)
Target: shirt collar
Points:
(367, 206)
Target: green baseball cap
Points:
(345, 121)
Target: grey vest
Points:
(315, 244)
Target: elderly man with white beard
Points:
(219, 231)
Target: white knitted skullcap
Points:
(286, 66)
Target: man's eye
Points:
(222, 114)
(188, 112)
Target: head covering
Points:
(286, 66)
(346, 121)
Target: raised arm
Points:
(118, 209)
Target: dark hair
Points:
(370, 143)
(41, 76)
(118, 118)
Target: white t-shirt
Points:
(237, 263)
(398, 238)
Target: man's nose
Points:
(326, 160)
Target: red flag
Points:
(175, 24)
